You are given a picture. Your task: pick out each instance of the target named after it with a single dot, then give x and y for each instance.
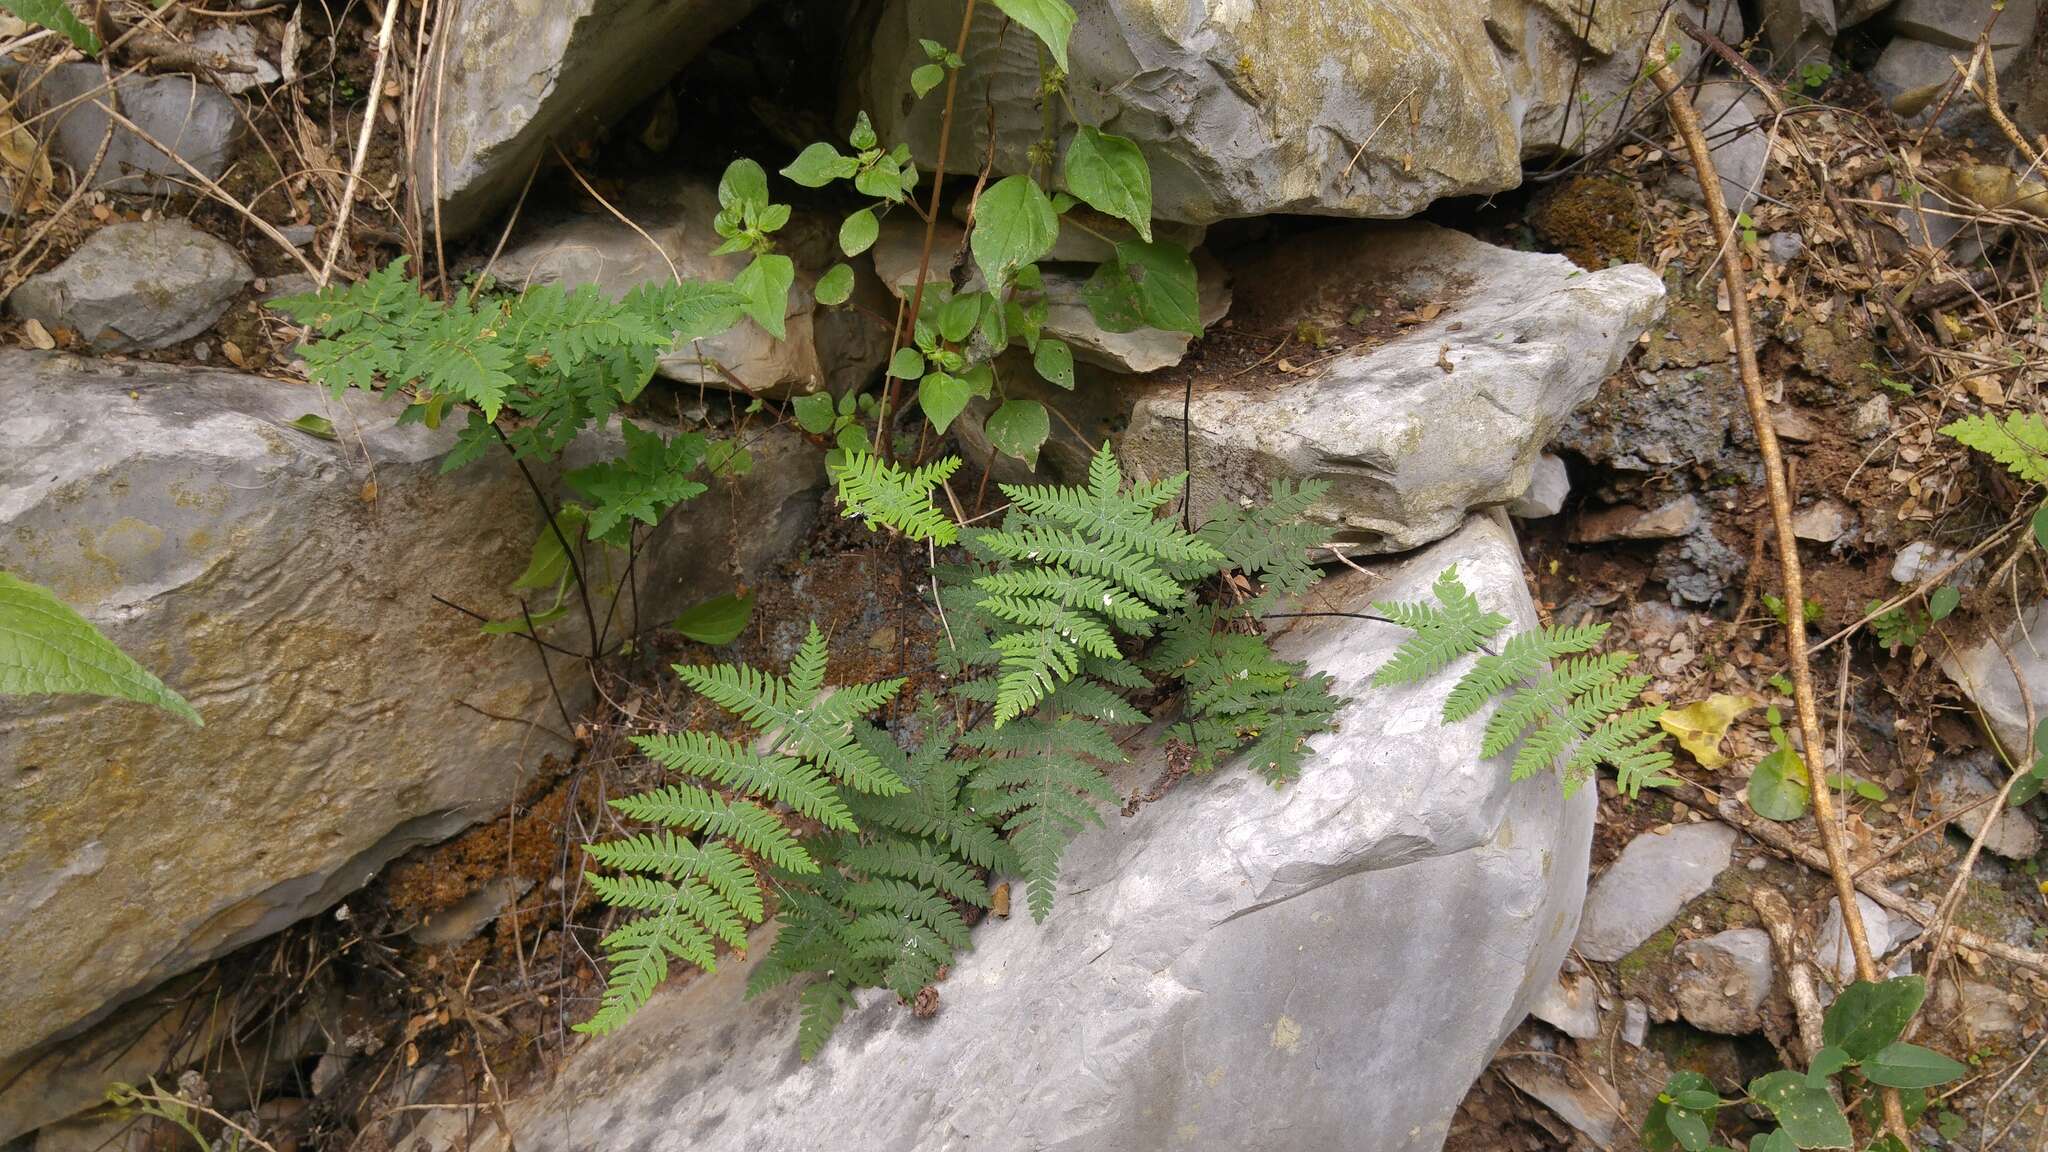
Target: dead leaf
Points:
(37, 335)
(27, 166)
(999, 900)
(1701, 726)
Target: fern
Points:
(653, 476)
(689, 882)
(885, 496)
(883, 913)
(1040, 777)
(1240, 695)
(2020, 441)
(1442, 634)
(1270, 542)
(1568, 711)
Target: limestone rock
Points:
(1667, 521)
(1572, 1006)
(237, 44)
(1724, 979)
(2013, 834)
(819, 351)
(1584, 1100)
(196, 121)
(1656, 875)
(1982, 673)
(520, 74)
(1831, 948)
(1989, 1010)
(1873, 418)
(1958, 23)
(1235, 966)
(1740, 146)
(1368, 109)
(1799, 32)
(348, 717)
(1824, 521)
(146, 285)
(1449, 414)
(1549, 485)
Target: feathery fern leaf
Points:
(1442, 634)
(1042, 781)
(1269, 542)
(1523, 656)
(885, 496)
(2020, 441)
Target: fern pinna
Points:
(691, 893)
(884, 908)
(1568, 710)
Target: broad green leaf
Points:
(2041, 738)
(1698, 1099)
(814, 412)
(1657, 1132)
(772, 218)
(835, 285)
(744, 187)
(549, 564)
(1112, 298)
(1903, 1065)
(863, 135)
(1110, 174)
(819, 165)
(46, 648)
(1055, 362)
(55, 15)
(882, 179)
(2029, 785)
(957, 316)
(1701, 726)
(1826, 1063)
(1050, 20)
(1019, 428)
(1014, 225)
(2041, 526)
(1163, 277)
(765, 283)
(1777, 1141)
(1807, 1114)
(1867, 1017)
(858, 233)
(943, 398)
(1943, 601)
(1844, 782)
(1780, 789)
(907, 364)
(1689, 1128)
(927, 77)
(314, 424)
(716, 621)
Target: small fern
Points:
(885, 496)
(2020, 441)
(1568, 711)
(693, 893)
(1270, 542)
(1040, 776)
(1240, 696)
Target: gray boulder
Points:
(196, 121)
(147, 285)
(1643, 890)
(1399, 103)
(1234, 966)
(282, 583)
(1981, 672)
(520, 74)
(1446, 415)
(1724, 979)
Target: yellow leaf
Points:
(27, 165)
(1701, 726)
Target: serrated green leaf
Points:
(1014, 225)
(1019, 428)
(1111, 175)
(857, 234)
(55, 15)
(943, 398)
(46, 648)
(719, 620)
(835, 286)
(1903, 1065)
(765, 284)
(1052, 21)
(1054, 361)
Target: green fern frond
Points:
(639, 952)
(686, 807)
(920, 862)
(1070, 589)
(822, 1006)
(1442, 634)
(2020, 441)
(1035, 663)
(783, 779)
(1551, 691)
(1620, 735)
(1042, 782)
(669, 855)
(1523, 656)
(1270, 542)
(885, 496)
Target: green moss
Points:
(1648, 953)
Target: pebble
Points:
(2013, 835)
(1548, 487)
(1785, 247)
(1724, 979)
(1628, 522)
(1635, 1022)
(1572, 1007)
(1823, 521)
(1831, 949)
(1654, 878)
(1919, 560)
(1873, 418)
(137, 285)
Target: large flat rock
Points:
(1368, 108)
(1236, 966)
(282, 583)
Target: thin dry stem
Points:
(355, 168)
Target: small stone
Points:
(1757, 864)
(1549, 484)
(1988, 1011)
(1919, 560)
(1585, 1100)
(197, 121)
(1823, 521)
(1741, 148)
(452, 926)
(1956, 24)
(1656, 875)
(1785, 247)
(130, 286)
(1832, 950)
(2013, 835)
(1570, 1006)
(1873, 418)
(1635, 1022)
(1627, 522)
(1794, 424)
(299, 234)
(1984, 676)
(237, 44)
(1724, 980)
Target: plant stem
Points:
(1686, 122)
(931, 225)
(355, 169)
(547, 510)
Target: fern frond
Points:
(1442, 634)
(783, 779)
(1044, 785)
(1034, 664)
(823, 1005)
(2020, 441)
(1270, 542)
(1552, 691)
(1130, 569)
(668, 855)
(920, 862)
(750, 826)
(1523, 656)
(1618, 736)
(885, 496)
(639, 952)
(1068, 588)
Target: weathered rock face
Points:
(521, 73)
(282, 585)
(1235, 966)
(1647, 886)
(141, 285)
(1450, 414)
(196, 121)
(1373, 108)
(1982, 673)
(839, 349)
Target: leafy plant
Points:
(1861, 1035)
(59, 18)
(2019, 441)
(1902, 627)
(692, 894)
(1779, 788)
(46, 648)
(1573, 716)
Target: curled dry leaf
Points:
(1701, 726)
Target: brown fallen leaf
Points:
(37, 336)
(999, 900)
